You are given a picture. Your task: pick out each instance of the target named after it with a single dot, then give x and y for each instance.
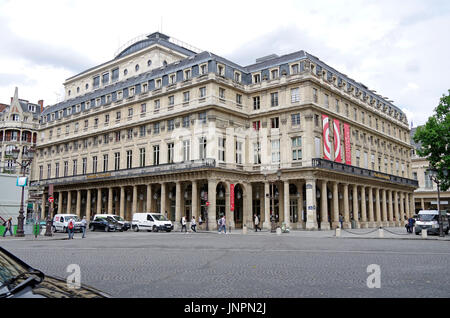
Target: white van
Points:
(61, 221)
(429, 220)
(151, 222)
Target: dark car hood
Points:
(53, 287)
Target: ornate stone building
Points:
(166, 127)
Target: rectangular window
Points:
(118, 115)
(274, 99)
(129, 159)
(202, 147)
(256, 78)
(156, 128)
(186, 97)
(337, 106)
(116, 160)
(96, 82)
(142, 131)
(257, 153)
(315, 96)
(94, 164)
(186, 150)
(187, 75)
(142, 157)
(202, 92)
(203, 69)
(57, 170)
(117, 136)
(49, 171)
(257, 125)
(74, 171)
(294, 69)
(237, 77)
(357, 157)
(275, 122)
(295, 119)
(297, 148)
(130, 112)
(171, 100)
(186, 121)
(105, 78)
(326, 100)
(105, 163)
(239, 152)
(66, 168)
(221, 93)
(143, 108)
(222, 146)
(157, 105)
(170, 152)
(295, 95)
(84, 166)
(170, 125)
(156, 155)
(256, 102)
(158, 83)
(274, 74)
(115, 75)
(276, 151)
(239, 99)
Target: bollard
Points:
(244, 229)
(424, 234)
(380, 233)
(278, 231)
(338, 232)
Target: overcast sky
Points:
(399, 48)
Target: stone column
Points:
(355, 206)
(212, 187)
(407, 205)
(301, 224)
(78, 211)
(325, 222)
(178, 214)
(60, 202)
(149, 198)
(364, 223)
(122, 201)
(378, 206)
(391, 210)
(135, 195)
(248, 206)
(402, 208)
(99, 200)
(371, 216)
(110, 200)
(311, 217)
(412, 203)
(422, 204)
(88, 205)
(228, 214)
(287, 218)
(163, 200)
(397, 214)
(347, 223)
(69, 202)
(335, 223)
(384, 212)
(280, 188)
(266, 223)
(44, 201)
(194, 200)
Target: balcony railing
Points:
(129, 173)
(336, 166)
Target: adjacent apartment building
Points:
(165, 127)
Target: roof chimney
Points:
(41, 102)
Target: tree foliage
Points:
(434, 137)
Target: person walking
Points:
(341, 220)
(224, 224)
(183, 224)
(83, 226)
(8, 227)
(193, 224)
(257, 223)
(71, 228)
(219, 223)
(411, 222)
(200, 221)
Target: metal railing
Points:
(336, 166)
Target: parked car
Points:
(61, 221)
(125, 224)
(20, 280)
(429, 220)
(106, 224)
(151, 222)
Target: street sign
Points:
(50, 199)
(21, 181)
(442, 202)
(207, 203)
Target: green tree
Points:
(434, 138)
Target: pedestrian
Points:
(70, 228)
(411, 222)
(183, 224)
(83, 226)
(257, 223)
(8, 227)
(200, 221)
(341, 220)
(193, 224)
(167, 215)
(219, 223)
(224, 224)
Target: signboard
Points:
(348, 151)
(231, 197)
(441, 202)
(22, 181)
(50, 199)
(326, 138)
(337, 141)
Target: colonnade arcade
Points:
(302, 202)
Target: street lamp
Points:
(27, 158)
(434, 176)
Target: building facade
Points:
(164, 127)
(425, 196)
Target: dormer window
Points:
(88, 105)
(158, 83)
(237, 77)
(108, 98)
(16, 117)
(52, 117)
(172, 79)
(69, 111)
(131, 91)
(274, 74)
(119, 95)
(221, 70)
(203, 69)
(187, 75)
(97, 102)
(256, 78)
(60, 114)
(78, 108)
(144, 87)
(294, 69)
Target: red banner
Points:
(326, 138)
(348, 151)
(337, 141)
(231, 197)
